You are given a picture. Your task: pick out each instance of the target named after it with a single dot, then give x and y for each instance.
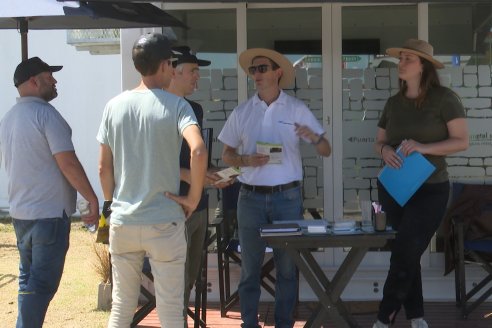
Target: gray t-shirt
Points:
(30, 134)
(144, 130)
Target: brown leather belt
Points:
(271, 189)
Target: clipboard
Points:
(402, 183)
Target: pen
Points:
(288, 123)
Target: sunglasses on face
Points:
(263, 68)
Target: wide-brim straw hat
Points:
(288, 75)
(418, 47)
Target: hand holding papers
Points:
(402, 183)
(227, 174)
(272, 150)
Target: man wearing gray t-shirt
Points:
(44, 177)
(140, 136)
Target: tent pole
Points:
(23, 32)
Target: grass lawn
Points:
(74, 305)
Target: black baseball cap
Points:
(32, 67)
(152, 45)
(183, 55)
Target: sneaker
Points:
(379, 324)
(419, 323)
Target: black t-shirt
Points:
(184, 157)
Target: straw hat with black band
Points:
(417, 47)
(288, 73)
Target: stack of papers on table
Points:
(309, 226)
(316, 229)
(280, 229)
(344, 227)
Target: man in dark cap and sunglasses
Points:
(44, 177)
(140, 135)
(262, 136)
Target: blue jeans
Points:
(42, 245)
(255, 209)
(416, 223)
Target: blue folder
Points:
(402, 183)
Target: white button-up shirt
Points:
(254, 121)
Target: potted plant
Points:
(102, 267)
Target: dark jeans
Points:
(196, 231)
(416, 223)
(255, 209)
(42, 245)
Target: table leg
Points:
(328, 292)
(343, 276)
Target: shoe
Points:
(379, 324)
(419, 323)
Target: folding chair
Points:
(471, 218)
(144, 311)
(198, 314)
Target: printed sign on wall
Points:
(359, 138)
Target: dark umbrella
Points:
(52, 14)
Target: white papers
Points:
(344, 226)
(227, 174)
(273, 150)
(316, 229)
(309, 226)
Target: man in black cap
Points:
(183, 83)
(140, 136)
(44, 177)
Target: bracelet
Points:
(318, 141)
(381, 150)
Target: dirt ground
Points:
(74, 305)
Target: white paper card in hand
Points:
(227, 174)
(273, 150)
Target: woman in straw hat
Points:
(422, 117)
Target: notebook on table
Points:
(280, 229)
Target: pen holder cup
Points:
(380, 222)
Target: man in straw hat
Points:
(262, 136)
(427, 118)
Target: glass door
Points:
(296, 33)
(365, 80)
